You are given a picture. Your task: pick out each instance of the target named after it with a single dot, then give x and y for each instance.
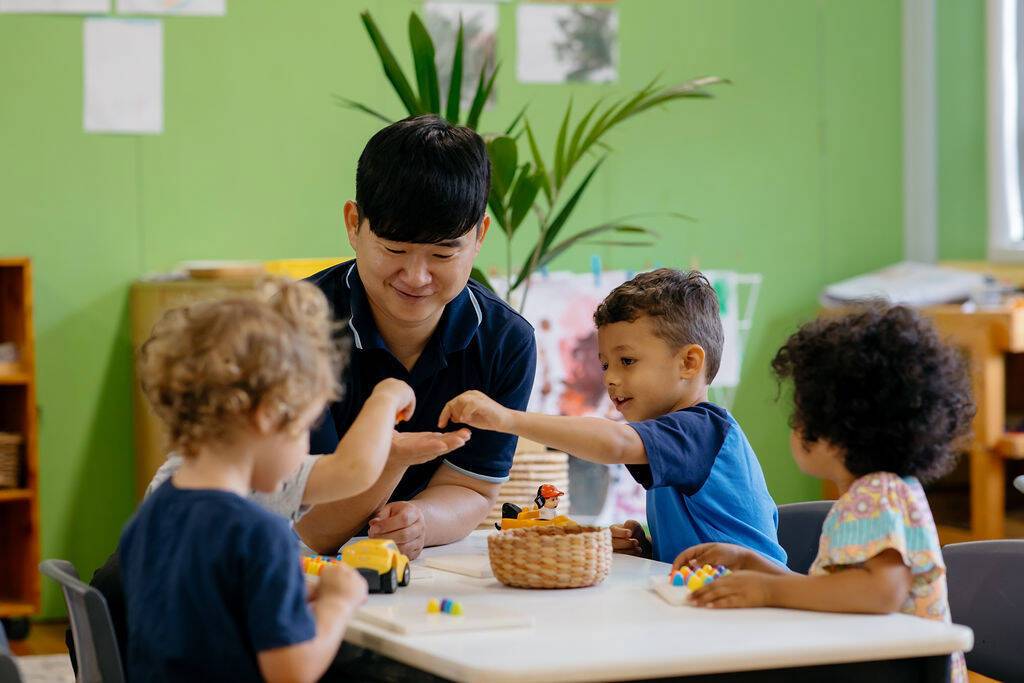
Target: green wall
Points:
(961, 91)
(794, 171)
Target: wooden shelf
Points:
(15, 377)
(15, 494)
(15, 609)
(1011, 445)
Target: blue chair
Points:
(800, 531)
(96, 651)
(986, 592)
(8, 669)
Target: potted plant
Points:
(526, 184)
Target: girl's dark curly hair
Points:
(880, 385)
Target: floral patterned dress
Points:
(883, 511)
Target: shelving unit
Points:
(19, 507)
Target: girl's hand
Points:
(739, 589)
(731, 556)
(476, 409)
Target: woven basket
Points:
(551, 557)
(10, 459)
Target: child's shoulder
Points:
(881, 493)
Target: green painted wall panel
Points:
(793, 171)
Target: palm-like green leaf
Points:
(483, 91)
(504, 159)
(560, 147)
(524, 192)
(423, 58)
(516, 120)
(550, 232)
(351, 104)
(566, 244)
(455, 86)
(538, 162)
(392, 70)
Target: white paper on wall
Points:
(204, 8)
(55, 6)
(124, 76)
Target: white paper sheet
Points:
(205, 8)
(124, 76)
(55, 6)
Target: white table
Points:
(620, 630)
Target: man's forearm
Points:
(327, 527)
(451, 512)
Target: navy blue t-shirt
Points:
(704, 484)
(210, 580)
(480, 343)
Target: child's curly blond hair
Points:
(208, 366)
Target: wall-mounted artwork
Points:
(571, 43)
(480, 33)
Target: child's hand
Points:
(401, 393)
(625, 541)
(739, 589)
(731, 556)
(413, 448)
(340, 582)
(475, 409)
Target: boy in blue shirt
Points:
(212, 582)
(660, 343)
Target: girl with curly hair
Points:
(880, 404)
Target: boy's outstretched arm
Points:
(371, 441)
(590, 438)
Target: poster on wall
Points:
(55, 6)
(124, 76)
(202, 8)
(479, 43)
(567, 43)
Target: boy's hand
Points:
(733, 557)
(401, 394)
(739, 589)
(475, 409)
(402, 522)
(340, 582)
(625, 538)
(413, 448)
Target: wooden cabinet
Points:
(19, 504)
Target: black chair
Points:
(986, 592)
(96, 651)
(8, 669)
(800, 531)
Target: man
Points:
(416, 226)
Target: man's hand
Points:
(413, 448)
(739, 589)
(402, 522)
(476, 409)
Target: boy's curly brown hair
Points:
(880, 385)
(209, 365)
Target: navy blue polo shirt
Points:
(480, 343)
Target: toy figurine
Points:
(545, 514)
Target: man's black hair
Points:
(423, 180)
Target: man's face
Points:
(409, 282)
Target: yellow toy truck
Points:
(380, 563)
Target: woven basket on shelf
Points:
(551, 557)
(10, 459)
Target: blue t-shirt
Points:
(704, 484)
(210, 580)
(480, 343)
